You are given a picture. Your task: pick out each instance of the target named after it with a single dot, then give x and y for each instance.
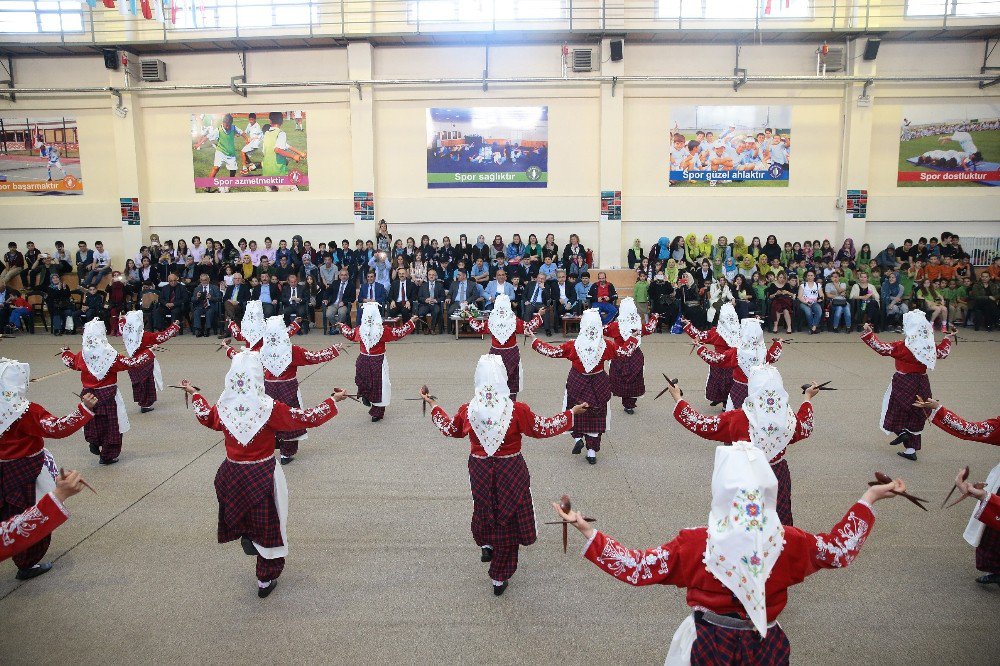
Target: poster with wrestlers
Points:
(949, 145)
(39, 156)
(249, 151)
(732, 146)
(488, 146)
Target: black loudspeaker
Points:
(871, 48)
(616, 50)
(110, 58)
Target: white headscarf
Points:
(751, 351)
(629, 321)
(243, 407)
(590, 343)
(98, 353)
(371, 325)
(491, 409)
(503, 321)
(276, 352)
(745, 536)
(772, 421)
(717, 292)
(252, 326)
(728, 327)
(132, 331)
(14, 378)
(920, 337)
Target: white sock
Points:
(263, 584)
(909, 450)
(591, 453)
(497, 583)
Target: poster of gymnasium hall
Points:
(498, 146)
(249, 151)
(39, 155)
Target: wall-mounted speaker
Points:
(617, 53)
(871, 48)
(110, 58)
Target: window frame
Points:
(953, 6)
(757, 14)
(489, 14)
(74, 9)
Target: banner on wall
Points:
(256, 151)
(735, 146)
(611, 205)
(39, 155)
(954, 145)
(497, 146)
(364, 206)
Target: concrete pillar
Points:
(609, 248)
(856, 148)
(360, 57)
(129, 165)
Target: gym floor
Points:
(382, 566)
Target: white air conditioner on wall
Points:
(583, 60)
(153, 70)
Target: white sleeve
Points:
(282, 141)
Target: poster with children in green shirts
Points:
(249, 151)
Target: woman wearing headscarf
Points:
(771, 248)
(251, 488)
(503, 514)
(503, 327)
(146, 379)
(705, 246)
(747, 355)
(281, 360)
(99, 364)
(689, 297)
(914, 356)
(662, 249)
(720, 251)
(765, 420)
(692, 248)
(27, 470)
(672, 272)
(846, 252)
(747, 267)
(587, 382)
(739, 247)
(371, 372)
(480, 250)
(737, 569)
(635, 254)
(719, 294)
(662, 301)
(729, 268)
(250, 330)
(723, 336)
(627, 381)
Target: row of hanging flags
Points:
(155, 10)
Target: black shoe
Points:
(286, 459)
(578, 446)
(95, 449)
(629, 410)
(366, 402)
(988, 579)
(376, 419)
(591, 460)
(716, 403)
(901, 438)
(33, 572)
(908, 456)
(145, 410)
(263, 592)
(112, 461)
(487, 555)
(248, 546)
(498, 589)
(548, 333)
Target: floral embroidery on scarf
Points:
(749, 505)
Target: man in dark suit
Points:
(402, 296)
(536, 295)
(294, 299)
(235, 299)
(563, 301)
(205, 299)
(173, 298)
(431, 298)
(268, 292)
(463, 291)
(371, 292)
(604, 297)
(338, 299)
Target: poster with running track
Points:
(39, 156)
(949, 145)
(249, 151)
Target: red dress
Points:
(720, 380)
(730, 359)
(143, 378)
(503, 514)
(679, 562)
(626, 373)
(733, 426)
(371, 371)
(898, 413)
(508, 351)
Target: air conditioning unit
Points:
(583, 60)
(835, 59)
(153, 70)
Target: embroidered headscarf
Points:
(745, 536)
(371, 325)
(491, 409)
(252, 326)
(691, 243)
(276, 352)
(503, 321)
(243, 407)
(14, 378)
(729, 325)
(920, 337)
(132, 331)
(751, 351)
(672, 271)
(590, 342)
(772, 421)
(629, 321)
(98, 353)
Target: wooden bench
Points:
(568, 321)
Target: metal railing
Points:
(347, 19)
